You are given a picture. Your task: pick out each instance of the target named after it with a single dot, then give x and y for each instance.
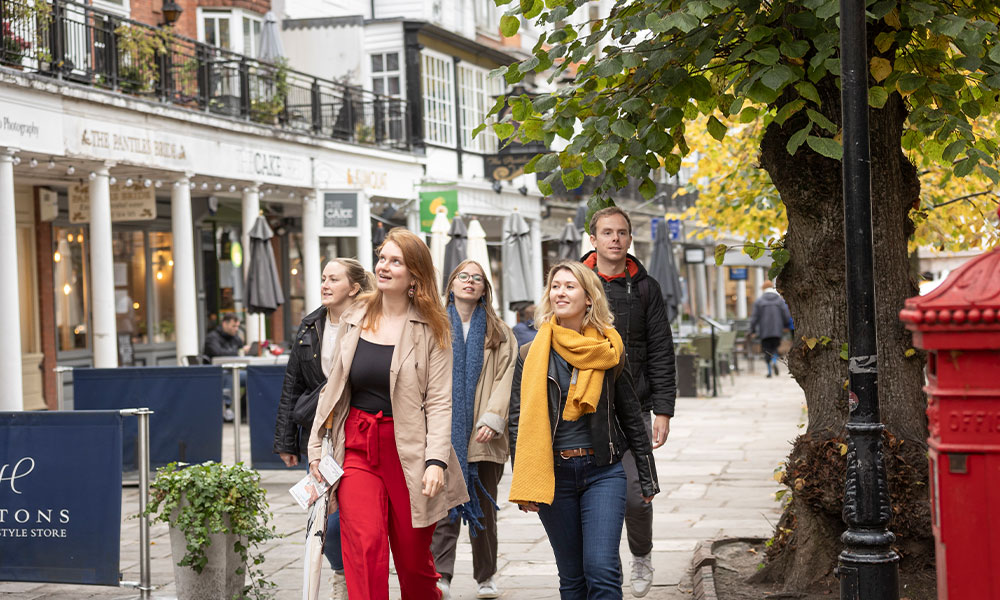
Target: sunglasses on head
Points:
(463, 276)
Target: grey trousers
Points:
(484, 544)
(638, 514)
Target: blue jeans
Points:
(584, 525)
(331, 545)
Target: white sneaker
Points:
(445, 586)
(488, 589)
(338, 586)
(642, 575)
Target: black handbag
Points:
(305, 408)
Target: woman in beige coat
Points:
(388, 403)
(484, 352)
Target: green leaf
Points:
(681, 20)
(797, 138)
(545, 188)
(788, 110)
(647, 188)
(529, 65)
(547, 162)
(777, 76)
(716, 129)
(544, 103)
(910, 82)
(821, 120)
(535, 9)
(843, 351)
(623, 128)
(672, 163)
(720, 253)
(877, 96)
(608, 67)
(765, 56)
(949, 25)
(503, 130)
(796, 49)
(592, 168)
(965, 166)
(606, 151)
(825, 146)
(572, 179)
(509, 25)
(478, 129)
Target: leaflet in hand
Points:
(308, 490)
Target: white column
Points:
(741, 299)
(102, 281)
(365, 231)
(413, 217)
(251, 210)
(701, 275)
(312, 271)
(185, 300)
(536, 259)
(758, 280)
(720, 292)
(11, 388)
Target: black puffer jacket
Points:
(642, 321)
(616, 426)
(303, 377)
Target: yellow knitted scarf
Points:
(590, 354)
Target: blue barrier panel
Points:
(263, 394)
(60, 496)
(187, 404)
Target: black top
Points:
(369, 378)
(569, 435)
(220, 343)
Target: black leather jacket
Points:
(303, 376)
(616, 426)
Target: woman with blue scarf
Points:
(484, 353)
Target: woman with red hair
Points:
(387, 410)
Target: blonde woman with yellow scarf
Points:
(573, 414)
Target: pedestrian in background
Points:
(484, 352)
(641, 319)
(225, 340)
(389, 400)
(573, 415)
(769, 320)
(309, 362)
(524, 329)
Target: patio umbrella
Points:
(269, 47)
(456, 250)
(479, 253)
(664, 271)
(439, 240)
(517, 271)
(264, 293)
(569, 241)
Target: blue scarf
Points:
(465, 371)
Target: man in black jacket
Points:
(641, 320)
(225, 340)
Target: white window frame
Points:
(124, 8)
(384, 75)
(235, 18)
(477, 93)
(487, 16)
(437, 86)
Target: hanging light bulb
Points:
(158, 184)
(232, 188)
(147, 183)
(56, 257)
(67, 289)
(218, 186)
(92, 176)
(170, 262)
(159, 275)
(129, 182)
(79, 238)
(17, 160)
(135, 305)
(204, 186)
(70, 170)
(52, 164)
(113, 180)
(192, 185)
(70, 238)
(33, 163)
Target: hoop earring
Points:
(412, 290)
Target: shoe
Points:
(228, 415)
(445, 586)
(642, 575)
(488, 589)
(338, 586)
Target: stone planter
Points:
(219, 579)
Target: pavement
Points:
(716, 475)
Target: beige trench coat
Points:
(493, 400)
(420, 392)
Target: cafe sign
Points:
(136, 203)
(340, 214)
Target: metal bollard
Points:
(60, 386)
(145, 586)
(237, 409)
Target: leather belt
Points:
(575, 452)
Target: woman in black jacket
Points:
(308, 367)
(573, 414)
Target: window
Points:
(478, 95)
(129, 248)
(69, 257)
(488, 17)
(439, 103)
(236, 30)
(251, 36)
(385, 74)
(161, 265)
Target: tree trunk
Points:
(813, 283)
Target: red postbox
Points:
(958, 324)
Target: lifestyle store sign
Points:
(136, 203)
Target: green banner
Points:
(429, 203)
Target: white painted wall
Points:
(332, 52)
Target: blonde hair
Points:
(599, 316)
(417, 259)
(494, 326)
(356, 274)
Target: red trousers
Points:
(375, 516)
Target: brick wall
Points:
(150, 12)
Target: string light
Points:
(57, 257)
(232, 188)
(192, 185)
(70, 170)
(135, 305)
(92, 176)
(159, 275)
(158, 184)
(218, 186)
(17, 160)
(113, 180)
(129, 182)
(147, 183)
(33, 163)
(204, 186)
(52, 164)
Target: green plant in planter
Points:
(200, 500)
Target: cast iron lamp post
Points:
(868, 567)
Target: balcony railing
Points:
(75, 42)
